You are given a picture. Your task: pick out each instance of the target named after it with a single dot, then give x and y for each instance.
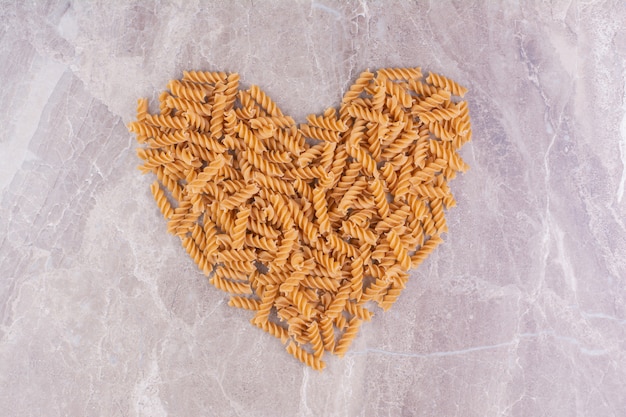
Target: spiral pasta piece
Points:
(144, 130)
(161, 200)
(263, 230)
(244, 302)
(427, 173)
(166, 139)
(430, 191)
(299, 299)
(236, 255)
(185, 105)
(263, 165)
(281, 212)
(278, 157)
(205, 77)
(142, 109)
(306, 173)
(359, 85)
(249, 138)
(217, 115)
(183, 91)
(422, 89)
(441, 151)
(325, 261)
(270, 293)
(303, 222)
(338, 304)
(273, 183)
(375, 291)
(362, 234)
(239, 197)
(223, 271)
(328, 123)
(315, 336)
(364, 113)
(394, 291)
(348, 337)
(320, 133)
(264, 101)
(273, 329)
(359, 311)
(377, 189)
(327, 332)
(208, 174)
(446, 83)
(336, 242)
(321, 210)
(285, 247)
(197, 121)
(357, 272)
(239, 228)
(439, 218)
(320, 282)
(305, 357)
(351, 194)
(196, 254)
(293, 282)
(400, 145)
(291, 139)
(327, 157)
(374, 135)
(260, 242)
(399, 251)
(438, 115)
(400, 73)
(400, 93)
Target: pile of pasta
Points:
(309, 226)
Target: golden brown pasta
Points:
(244, 302)
(306, 225)
(239, 228)
(346, 340)
(401, 73)
(161, 200)
(357, 88)
(305, 357)
(446, 83)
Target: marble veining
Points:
(521, 312)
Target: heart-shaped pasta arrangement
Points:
(308, 226)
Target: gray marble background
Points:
(521, 312)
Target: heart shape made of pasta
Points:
(309, 226)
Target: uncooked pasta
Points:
(307, 227)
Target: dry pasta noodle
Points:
(308, 226)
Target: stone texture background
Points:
(521, 312)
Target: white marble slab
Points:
(520, 313)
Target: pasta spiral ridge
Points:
(192, 94)
(264, 101)
(305, 357)
(446, 83)
(399, 250)
(359, 85)
(364, 113)
(348, 337)
(328, 123)
(161, 200)
(204, 76)
(244, 302)
(239, 228)
(401, 73)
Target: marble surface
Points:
(521, 312)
